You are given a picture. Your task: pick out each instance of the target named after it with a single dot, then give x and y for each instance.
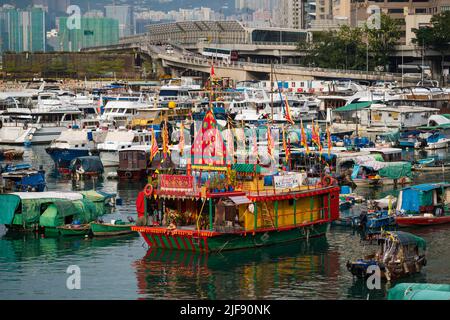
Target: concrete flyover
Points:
(182, 59)
(254, 71)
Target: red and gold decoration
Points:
(208, 147)
(304, 138)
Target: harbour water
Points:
(34, 267)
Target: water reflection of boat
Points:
(251, 273)
(19, 245)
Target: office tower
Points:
(124, 14)
(93, 32)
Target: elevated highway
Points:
(182, 59)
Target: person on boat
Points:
(140, 208)
(363, 219)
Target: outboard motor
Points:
(422, 143)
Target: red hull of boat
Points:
(421, 221)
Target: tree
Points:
(436, 36)
(341, 49)
(382, 41)
(347, 47)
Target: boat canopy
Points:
(29, 205)
(10, 202)
(391, 170)
(414, 197)
(356, 106)
(88, 163)
(419, 291)
(406, 239)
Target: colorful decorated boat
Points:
(423, 205)
(221, 205)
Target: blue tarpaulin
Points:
(355, 171)
(420, 195)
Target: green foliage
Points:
(346, 48)
(382, 41)
(437, 36)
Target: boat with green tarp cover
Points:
(419, 291)
(49, 210)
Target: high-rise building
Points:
(125, 15)
(22, 30)
(290, 14)
(93, 32)
(410, 13)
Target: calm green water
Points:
(32, 267)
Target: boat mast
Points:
(271, 90)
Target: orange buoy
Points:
(148, 190)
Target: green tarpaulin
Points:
(419, 291)
(396, 170)
(9, 204)
(354, 106)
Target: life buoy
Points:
(128, 174)
(148, 190)
(311, 90)
(300, 90)
(327, 181)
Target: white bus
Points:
(224, 54)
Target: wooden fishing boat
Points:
(79, 230)
(11, 154)
(398, 256)
(116, 228)
(422, 220)
(423, 205)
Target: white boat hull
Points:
(19, 135)
(109, 158)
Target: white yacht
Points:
(34, 126)
(120, 112)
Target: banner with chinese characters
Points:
(178, 183)
(288, 181)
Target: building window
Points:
(421, 10)
(395, 10)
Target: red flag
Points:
(287, 111)
(270, 144)
(181, 144)
(304, 138)
(165, 140)
(212, 73)
(154, 146)
(330, 144)
(287, 149)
